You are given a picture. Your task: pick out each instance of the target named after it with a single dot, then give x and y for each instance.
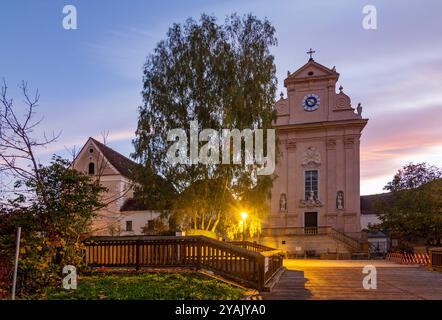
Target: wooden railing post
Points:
(261, 272)
(137, 254)
(198, 252)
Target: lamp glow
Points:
(244, 215)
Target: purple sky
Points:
(90, 78)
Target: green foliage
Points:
(415, 211)
(56, 212)
(153, 190)
(159, 227)
(413, 176)
(146, 286)
(223, 76)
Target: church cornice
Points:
(359, 123)
(290, 81)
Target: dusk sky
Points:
(90, 78)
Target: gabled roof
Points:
(123, 165)
(318, 70)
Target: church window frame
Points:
(310, 184)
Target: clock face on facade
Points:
(311, 102)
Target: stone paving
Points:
(342, 279)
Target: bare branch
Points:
(17, 143)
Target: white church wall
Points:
(138, 220)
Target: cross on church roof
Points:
(310, 52)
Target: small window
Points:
(310, 73)
(129, 225)
(91, 150)
(150, 225)
(91, 168)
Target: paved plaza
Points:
(335, 279)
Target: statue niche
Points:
(283, 203)
(340, 200)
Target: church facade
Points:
(315, 203)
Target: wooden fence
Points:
(232, 261)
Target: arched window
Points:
(91, 169)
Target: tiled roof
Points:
(124, 165)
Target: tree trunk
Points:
(209, 222)
(218, 217)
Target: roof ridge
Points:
(122, 163)
(100, 144)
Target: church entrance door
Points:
(311, 223)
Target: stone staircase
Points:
(354, 246)
(322, 241)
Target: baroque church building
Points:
(315, 203)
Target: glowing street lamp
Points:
(243, 217)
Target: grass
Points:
(146, 286)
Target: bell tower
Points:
(317, 184)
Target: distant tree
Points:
(415, 211)
(18, 141)
(223, 76)
(413, 176)
(152, 190)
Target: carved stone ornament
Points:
(310, 202)
(311, 157)
(349, 142)
(331, 143)
(342, 101)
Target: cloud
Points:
(394, 139)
